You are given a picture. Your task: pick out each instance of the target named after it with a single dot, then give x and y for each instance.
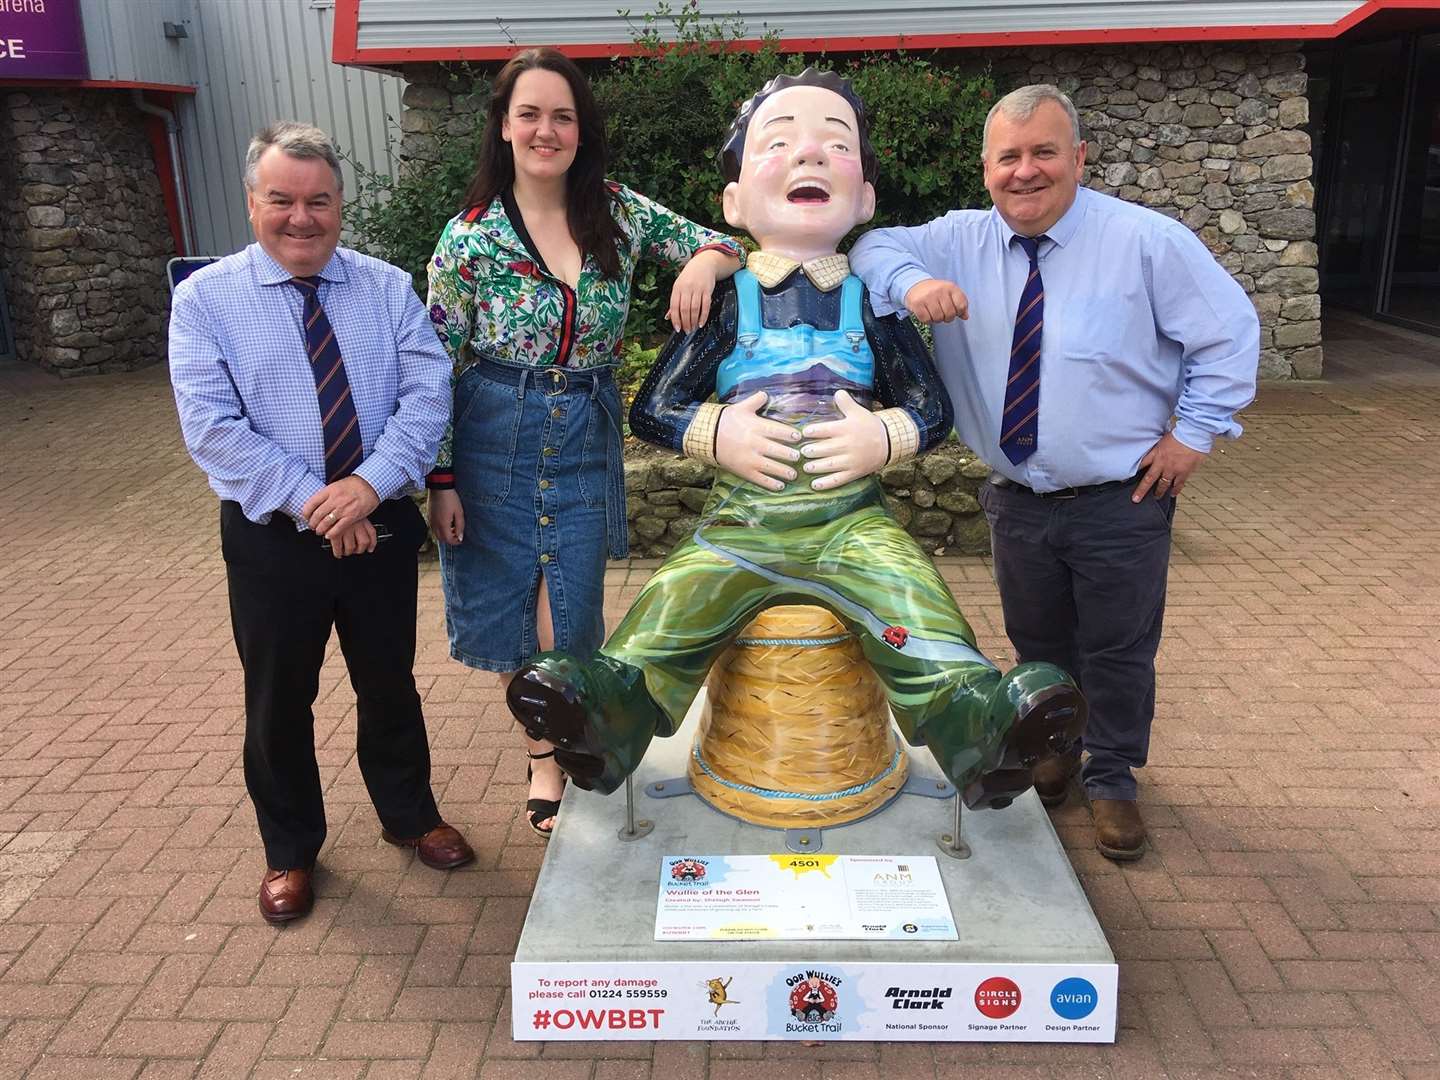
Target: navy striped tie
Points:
(1020, 422)
(343, 448)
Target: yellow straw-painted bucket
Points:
(797, 733)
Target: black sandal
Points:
(538, 810)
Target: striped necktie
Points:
(341, 426)
(1020, 424)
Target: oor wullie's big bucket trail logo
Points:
(814, 1001)
(688, 870)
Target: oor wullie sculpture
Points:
(796, 360)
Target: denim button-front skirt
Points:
(538, 470)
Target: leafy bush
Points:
(635, 363)
(668, 108)
(399, 219)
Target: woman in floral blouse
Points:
(529, 289)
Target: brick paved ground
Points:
(1286, 924)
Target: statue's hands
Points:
(856, 445)
(937, 301)
(753, 448)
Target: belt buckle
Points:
(1065, 493)
(558, 382)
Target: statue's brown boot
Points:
(1051, 777)
(1119, 832)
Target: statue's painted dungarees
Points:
(840, 549)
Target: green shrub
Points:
(635, 364)
(399, 219)
(668, 108)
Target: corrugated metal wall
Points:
(256, 61)
(441, 23)
(125, 40)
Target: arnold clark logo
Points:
(904, 997)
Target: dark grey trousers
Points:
(1082, 584)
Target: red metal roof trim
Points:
(98, 84)
(346, 49)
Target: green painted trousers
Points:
(841, 550)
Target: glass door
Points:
(1413, 289)
(1361, 134)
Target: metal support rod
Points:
(633, 829)
(953, 842)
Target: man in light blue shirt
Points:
(1099, 353)
(313, 393)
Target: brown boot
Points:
(285, 895)
(1051, 778)
(1119, 832)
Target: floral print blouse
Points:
(488, 291)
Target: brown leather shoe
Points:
(1119, 832)
(285, 895)
(1051, 778)
(442, 848)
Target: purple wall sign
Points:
(42, 39)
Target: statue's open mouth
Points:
(808, 194)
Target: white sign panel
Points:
(802, 898)
(855, 1001)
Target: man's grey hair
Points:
(299, 141)
(1019, 105)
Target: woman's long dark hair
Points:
(588, 198)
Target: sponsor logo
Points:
(997, 998)
(910, 928)
(687, 869)
(903, 997)
(717, 995)
(813, 1002)
(1074, 999)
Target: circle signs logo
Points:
(1074, 999)
(997, 998)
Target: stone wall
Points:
(83, 232)
(932, 496)
(1212, 135)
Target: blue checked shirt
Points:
(246, 393)
(1142, 327)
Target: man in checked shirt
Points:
(313, 392)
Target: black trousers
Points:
(286, 592)
(1082, 584)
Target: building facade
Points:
(1202, 110)
(123, 125)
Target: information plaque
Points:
(802, 898)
